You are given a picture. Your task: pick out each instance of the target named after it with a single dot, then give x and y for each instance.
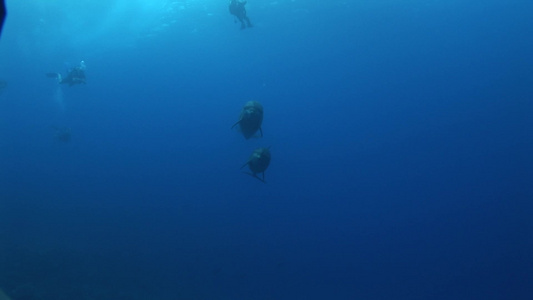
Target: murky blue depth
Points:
(400, 132)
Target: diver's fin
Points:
(235, 124)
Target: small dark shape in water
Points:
(3, 85)
(74, 75)
(2, 14)
(63, 134)
(258, 162)
(250, 119)
(236, 8)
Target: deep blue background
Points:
(400, 131)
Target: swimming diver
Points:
(236, 8)
(74, 76)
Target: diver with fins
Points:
(236, 8)
(74, 76)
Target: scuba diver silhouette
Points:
(74, 76)
(236, 8)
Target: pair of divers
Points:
(236, 8)
(74, 75)
(250, 121)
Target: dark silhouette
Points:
(63, 134)
(236, 8)
(250, 119)
(2, 14)
(258, 162)
(74, 76)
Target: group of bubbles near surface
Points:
(249, 123)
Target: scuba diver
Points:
(74, 76)
(236, 8)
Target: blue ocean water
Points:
(401, 135)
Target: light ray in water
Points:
(58, 98)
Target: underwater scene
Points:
(266, 150)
